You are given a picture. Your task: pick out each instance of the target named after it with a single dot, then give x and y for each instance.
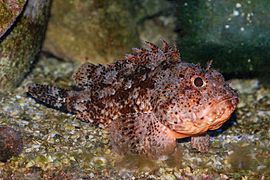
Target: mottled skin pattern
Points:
(147, 100)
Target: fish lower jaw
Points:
(220, 118)
(218, 113)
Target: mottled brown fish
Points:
(147, 100)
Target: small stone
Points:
(245, 86)
(11, 143)
(99, 161)
(224, 176)
(168, 176)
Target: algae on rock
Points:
(22, 43)
(9, 12)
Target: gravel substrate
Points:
(57, 144)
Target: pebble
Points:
(11, 143)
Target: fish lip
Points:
(233, 100)
(230, 107)
(215, 123)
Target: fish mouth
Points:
(211, 118)
(217, 113)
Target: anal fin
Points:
(84, 75)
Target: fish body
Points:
(147, 100)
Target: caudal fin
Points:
(49, 95)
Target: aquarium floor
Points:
(57, 145)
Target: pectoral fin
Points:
(141, 133)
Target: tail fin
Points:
(49, 95)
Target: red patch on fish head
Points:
(218, 101)
(205, 101)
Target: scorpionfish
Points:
(147, 100)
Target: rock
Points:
(156, 20)
(97, 31)
(9, 11)
(245, 85)
(21, 43)
(11, 143)
(234, 34)
(103, 31)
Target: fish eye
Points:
(198, 82)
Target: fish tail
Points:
(49, 95)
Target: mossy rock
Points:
(9, 11)
(20, 45)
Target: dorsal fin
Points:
(152, 46)
(85, 74)
(154, 53)
(209, 64)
